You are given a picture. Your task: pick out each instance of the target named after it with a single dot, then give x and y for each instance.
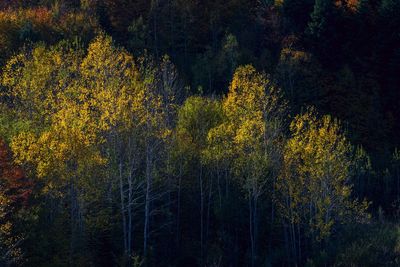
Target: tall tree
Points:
(315, 183)
(252, 134)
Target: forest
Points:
(199, 133)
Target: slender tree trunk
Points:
(130, 215)
(121, 189)
(226, 183)
(255, 227)
(299, 238)
(178, 215)
(201, 213)
(221, 222)
(251, 229)
(147, 201)
(287, 245)
(208, 215)
(76, 220)
(72, 215)
(294, 244)
(219, 188)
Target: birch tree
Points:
(316, 180)
(252, 136)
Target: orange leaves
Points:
(352, 5)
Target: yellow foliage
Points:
(245, 138)
(317, 169)
(82, 100)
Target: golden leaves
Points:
(317, 169)
(79, 101)
(247, 139)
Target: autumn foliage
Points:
(14, 184)
(199, 133)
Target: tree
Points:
(79, 115)
(315, 184)
(251, 136)
(195, 118)
(35, 79)
(112, 86)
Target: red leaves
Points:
(13, 182)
